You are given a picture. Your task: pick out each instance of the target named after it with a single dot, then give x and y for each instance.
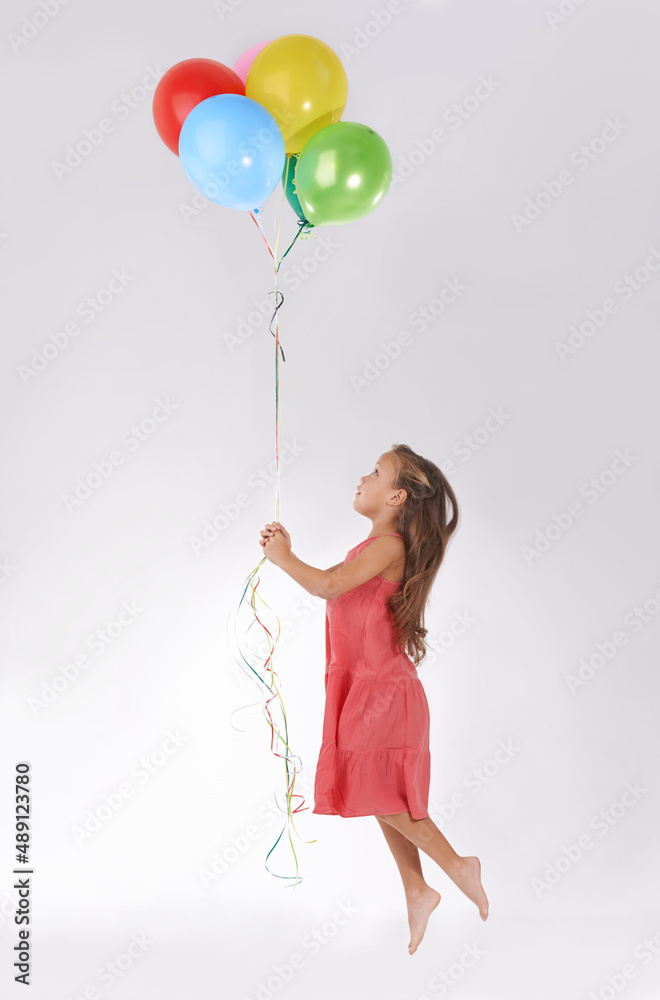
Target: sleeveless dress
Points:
(374, 757)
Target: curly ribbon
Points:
(268, 690)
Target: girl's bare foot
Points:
(420, 907)
(468, 879)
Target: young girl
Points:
(374, 758)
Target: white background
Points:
(535, 620)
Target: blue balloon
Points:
(232, 150)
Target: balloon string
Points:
(302, 225)
(273, 689)
(270, 325)
(288, 757)
(253, 216)
(278, 303)
(275, 319)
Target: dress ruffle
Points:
(372, 782)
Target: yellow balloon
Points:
(302, 82)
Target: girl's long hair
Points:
(426, 524)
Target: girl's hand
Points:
(276, 542)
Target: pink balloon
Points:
(242, 65)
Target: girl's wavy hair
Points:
(426, 524)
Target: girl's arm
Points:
(374, 560)
(276, 542)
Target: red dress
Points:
(374, 756)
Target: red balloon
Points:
(183, 86)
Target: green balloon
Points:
(289, 185)
(343, 172)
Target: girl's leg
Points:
(421, 899)
(407, 860)
(464, 872)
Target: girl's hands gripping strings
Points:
(276, 542)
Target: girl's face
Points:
(375, 488)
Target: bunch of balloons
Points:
(275, 115)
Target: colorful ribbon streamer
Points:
(268, 690)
